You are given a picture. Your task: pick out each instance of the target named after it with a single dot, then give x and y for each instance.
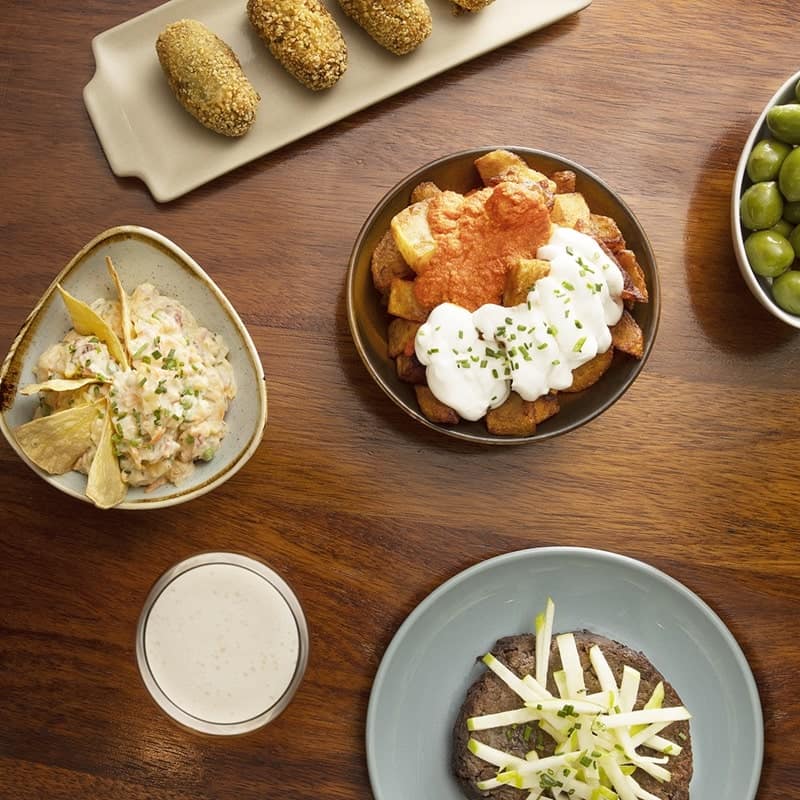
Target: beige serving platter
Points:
(144, 131)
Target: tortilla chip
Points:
(124, 307)
(58, 385)
(105, 487)
(54, 443)
(89, 323)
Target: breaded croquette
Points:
(303, 37)
(207, 78)
(398, 25)
(473, 5)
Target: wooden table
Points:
(694, 471)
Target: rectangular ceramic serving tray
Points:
(145, 132)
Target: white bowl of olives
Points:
(765, 206)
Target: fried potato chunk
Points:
(412, 235)
(403, 301)
(516, 417)
(607, 231)
(409, 369)
(521, 277)
(401, 336)
(627, 260)
(564, 180)
(588, 374)
(387, 263)
(503, 165)
(627, 336)
(570, 210)
(424, 191)
(545, 407)
(433, 409)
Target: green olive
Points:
(786, 291)
(765, 160)
(794, 240)
(797, 91)
(782, 226)
(761, 206)
(784, 122)
(791, 212)
(769, 253)
(789, 176)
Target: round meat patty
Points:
(489, 695)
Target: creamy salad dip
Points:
(168, 408)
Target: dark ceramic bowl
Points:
(368, 317)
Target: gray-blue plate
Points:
(430, 663)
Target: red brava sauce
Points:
(478, 238)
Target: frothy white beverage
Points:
(222, 643)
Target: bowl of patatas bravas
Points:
(503, 295)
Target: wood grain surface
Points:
(364, 511)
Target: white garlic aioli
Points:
(474, 360)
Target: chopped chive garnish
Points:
(526, 732)
(579, 345)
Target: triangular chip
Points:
(58, 385)
(89, 323)
(105, 487)
(124, 307)
(54, 443)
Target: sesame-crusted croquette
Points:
(206, 77)
(303, 37)
(398, 25)
(472, 5)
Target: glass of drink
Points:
(222, 643)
